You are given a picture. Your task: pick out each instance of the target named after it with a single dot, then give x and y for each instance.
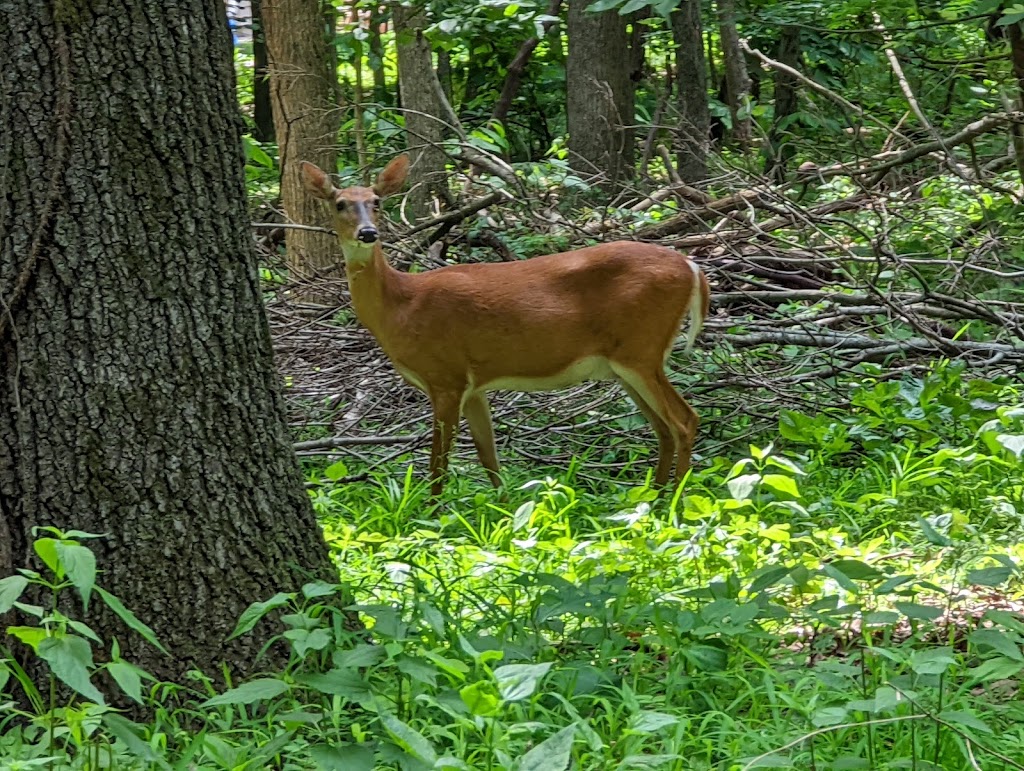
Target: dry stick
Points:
(457, 215)
(815, 86)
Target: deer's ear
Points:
(317, 183)
(393, 177)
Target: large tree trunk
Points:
(424, 128)
(263, 114)
(736, 78)
(780, 148)
(378, 18)
(599, 98)
(138, 396)
(306, 117)
(692, 94)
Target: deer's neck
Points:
(375, 287)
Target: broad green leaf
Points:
(409, 739)
(1002, 642)
(80, 565)
(315, 589)
(932, 662)
(344, 757)
(46, 548)
(70, 659)
(305, 640)
(262, 689)
(741, 487)
(10, 590)
(363, 655)
(993, 576)
(918, 612)
(827, 716)
(348, 683)
(130, 619)
(1012, 442)
(768, 577)
(965, 720)
(258, 610)
(130, 734)
(30, 635)
(1000, 668)
(781, 484)
(648, 722)
(519, 681)
(481, 698)
(336, 471)
(552, 754)
(128, 677)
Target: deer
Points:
(605, 312)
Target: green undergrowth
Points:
(841, 595)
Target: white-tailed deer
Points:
(608, 312)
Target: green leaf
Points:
(603, 5)
(363, 655)
(768, 577)
(128, 678)
(998, 640)
(305, 640)
(336, 471)
(741, 487)
(130, 619)
(932, 662)
(344, 757)
(80, 564)
(965, 719)
(706, 658)
(315, 589)
(70, 659)
(10, 590)
(46, 548)
(519, 681)
(130, 734)
(552, 754)
(481, 698)
(999, 668)
(993, 576)
(30, 635)
(1012, 442)
(648, 721)
(336, 682)
(932, 535)
(918, 612)
(856, 570)
(255, 153)
(261, 689)
(409, 739)
(827, 716)
(781, 484)
(258, 610)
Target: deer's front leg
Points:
(446, 424)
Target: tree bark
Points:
(780, 149)
(424, 128)
(736, 78)
(693, 143)
(138, 396)
(514, 74)
(599, 96)
(1016, 36)
(378, 17)
(263, 114)
(306, 117)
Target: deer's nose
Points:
(367, 234)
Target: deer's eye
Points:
(375, 203)
(340, 205)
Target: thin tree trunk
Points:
(378, 17)
(306, 116)
(736, 77)
(780, 149)
(693, 143)
(514, 74)
(599, 95)
(263, 115)
(422, 108)
(1016, 36)
(138, 396)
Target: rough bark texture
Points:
(263, 114)
(424, 128)
(736, 78)
(138, 396)
(693, 137)
(599, 98)
(780, 149)
(303, 89)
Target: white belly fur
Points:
(589, 368)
